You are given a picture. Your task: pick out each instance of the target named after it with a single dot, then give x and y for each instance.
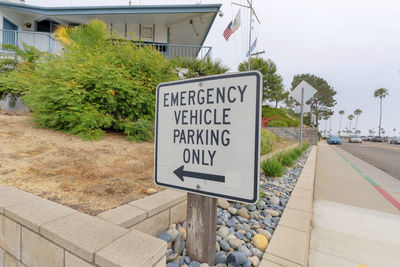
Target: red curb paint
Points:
(388, 197)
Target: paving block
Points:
(133, 249)
(268, 263)
(300, 204)
(273, 260)
(73, 261)
(124, 216)
(13, 197)
(154, 225)
(10, 261)
(5, 187)
(296, 219)
(10, 236)
(158, 202)
(302, 193)
(162, 262)
(289, 244)
(2, 256)
(37, 251)
(82, 234)
(35, 213)
(178, 212)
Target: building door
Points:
(10, 32)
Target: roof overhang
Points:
(176, 17)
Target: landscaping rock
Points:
(165, 236)
(179, 244)
(173, 232)
(264, 233)
(222, 203)
(243, 212)
(223, 232)
(224, 245)
(260, 242)
(237, 258)
(255, 261)
(236, 243)
(183, 231)
(151, 191)
(274, 200)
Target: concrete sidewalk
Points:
(353, 223)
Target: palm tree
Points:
(394, 132)
(341, 112)
(381, 93)
(350, 117)
(357, 112)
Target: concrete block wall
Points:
(39, 232)
(309, 134)
(290, 242)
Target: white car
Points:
(355, 139)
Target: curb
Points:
(289, 245)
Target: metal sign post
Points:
(207, 143)
(302, 93)
(301, 116)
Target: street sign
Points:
(309, 92)
(302, 93)
(207, 138)
(306, 108)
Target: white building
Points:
(176, 30)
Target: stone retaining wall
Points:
(309, 134)
(289, 245)
(39, 232)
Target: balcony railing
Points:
(42, 41)
(45, 42)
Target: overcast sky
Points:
(354, 45)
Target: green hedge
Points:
(96, 85)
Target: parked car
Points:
(370, 138)
(364, 138)
(334, 140)
(395, 140)
(377, 139)
(354, 139)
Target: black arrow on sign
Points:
(198, 175)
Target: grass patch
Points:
(285, 159)
(305, 146)
(268, 141)
(272, 167)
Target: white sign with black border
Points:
(207, 136)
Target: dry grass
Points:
(90, 176)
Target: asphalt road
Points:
(381, 155)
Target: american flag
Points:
(232, 27)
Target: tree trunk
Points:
(340, 125)
(380, 119)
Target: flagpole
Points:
(251, 13)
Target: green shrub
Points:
(268, 140)
(272, 167)
(277, 123)
(285, 158)
(297, 151)
(194, 67)
(98, 85)
(283, 115)
(305, 146)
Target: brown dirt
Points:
(90, 176)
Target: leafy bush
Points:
(272, 167)
(193, 67)
(23, 61)
(268, 140)
(277, 123)
(283, 115)
(305, 146)
(285, 158)
(97, 85)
